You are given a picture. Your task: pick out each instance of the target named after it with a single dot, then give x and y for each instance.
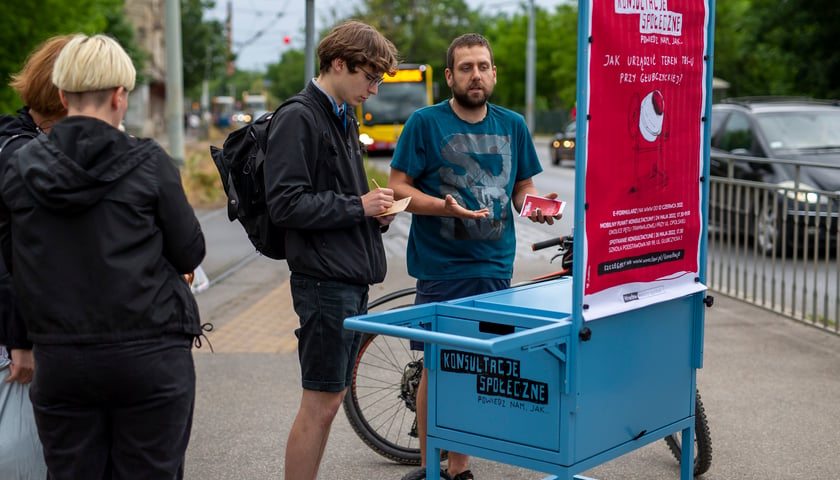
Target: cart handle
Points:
(555, 333)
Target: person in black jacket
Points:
(97, 234)
(42, 108)
(316, 187)
(21, 455)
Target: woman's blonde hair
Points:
(34, 82)
(89, 64)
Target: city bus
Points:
(382, 116)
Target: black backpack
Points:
(240, 165)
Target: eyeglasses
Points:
(373, 80)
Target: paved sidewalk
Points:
(267, 326)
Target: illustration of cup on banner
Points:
(651, 114)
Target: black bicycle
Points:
(381, 402)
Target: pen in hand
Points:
(374, 183)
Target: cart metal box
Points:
(510, 379)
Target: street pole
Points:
(309, 49)
(530, 68)
(174, 80)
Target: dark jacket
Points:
(15, 131)
(97, 232)
(315, 177)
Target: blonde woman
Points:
(97, 233)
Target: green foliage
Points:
(771, 47)
(421, 31)
(556, 58)
(375, 173)
(203, 46)
(286, 77)
(558, 45)
(24, 25)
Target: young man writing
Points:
(316, 187)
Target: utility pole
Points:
(530, 68)
(309, 49)
(174, 80)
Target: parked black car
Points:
(562, 146)
(784, 143)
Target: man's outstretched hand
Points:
(454, 210)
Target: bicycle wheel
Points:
(702, 440)
(381, 401)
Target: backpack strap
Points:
(296, 98)
(14, 137)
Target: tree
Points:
(204, 47)
(795, 42)
(765, 47)
(286, 77)
(22, 29)
(421, 30)
(556, 58)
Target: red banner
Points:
(644, 149)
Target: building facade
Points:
(146, 116)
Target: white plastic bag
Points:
(21, 455)
(200, 282)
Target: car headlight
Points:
(555, 144)
(365, 139)
(570, 144)
(805, 193)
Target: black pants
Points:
(114, 411)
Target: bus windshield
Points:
(394, 103)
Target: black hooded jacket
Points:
(15, 131)
(97, 233)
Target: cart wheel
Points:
(702, 440)
(420, 474)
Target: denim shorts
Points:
(327, 351)
(429, 291)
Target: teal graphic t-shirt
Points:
(478, 164)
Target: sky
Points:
(259, 26)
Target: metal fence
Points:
(776, 245)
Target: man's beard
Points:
(464, 99)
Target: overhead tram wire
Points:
(240, 46)
(259, 33)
